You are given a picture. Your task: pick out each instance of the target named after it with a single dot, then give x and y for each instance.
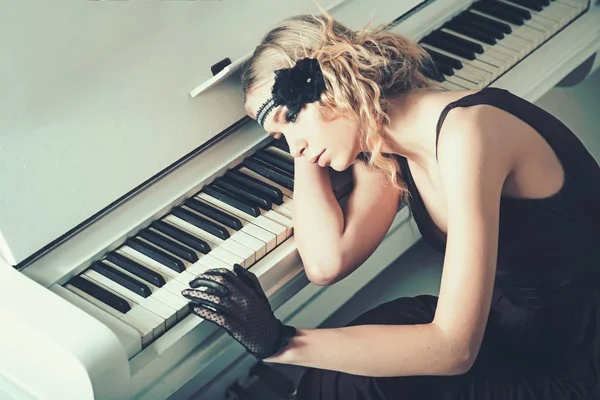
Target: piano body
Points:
(127, 168)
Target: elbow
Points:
(462, 359)
(460, 353)
(323, 273)
(461, 364)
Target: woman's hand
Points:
(237, 303)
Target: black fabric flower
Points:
(299, 85)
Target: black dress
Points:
(542, 340)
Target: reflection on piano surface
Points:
(243, 212)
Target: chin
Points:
(340, 167)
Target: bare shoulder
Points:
(482, 130)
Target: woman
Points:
(504, 189)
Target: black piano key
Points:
(232, 200)
(169, 245)
(184, 237)
(215, 213)
(122, 279)
(200, 222)
(101, 294)
(136, 269)
(251, 198)
(458, 41)
(271, 167)
(532, 5)
(479, 26)
(444, 59)
(486, 23)
(488, 7)
(272, 159)
(243, 180)
(449, 47)
(444, 69)
(273, 174)
(509, 8)
(156, 254)
(466, 30)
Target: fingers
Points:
(208, 314)
(211, 300)
(249, 279)
(213, 278)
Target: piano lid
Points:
(95, 99)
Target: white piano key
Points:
(152, 320)
(146, 332)
(241, 254)
(163, 296)
(265, 223)
(208, 262)
(544, 25)
(176, 286)
(172, 300)
(259, 247)
(476, 75)
(286, 208)
(267, 237)
(501, 57)
(281, 220)
(447, 85)
(279, 152)
(161, 309)
(248, 227)
(558, 12)
(461, 82)
(286, 212)
(579, 5)
(168, 314)
(253, 174)
(157, 323)
(185, 277)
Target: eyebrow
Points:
(275, 117)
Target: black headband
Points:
(293, 88)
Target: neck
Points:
(411, 133)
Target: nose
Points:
(298, 149)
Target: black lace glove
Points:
(237, 303)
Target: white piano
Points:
(126, 168)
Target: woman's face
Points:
(329, 143)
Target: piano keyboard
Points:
(475, 47)
(245, 214)
(238, 218)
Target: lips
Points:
(316, 158)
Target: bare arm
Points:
(333, 241)
(474, 166)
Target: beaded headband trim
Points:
(264, 110)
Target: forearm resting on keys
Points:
(333, 241)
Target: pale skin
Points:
(483, 154)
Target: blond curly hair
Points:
(363, 71)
